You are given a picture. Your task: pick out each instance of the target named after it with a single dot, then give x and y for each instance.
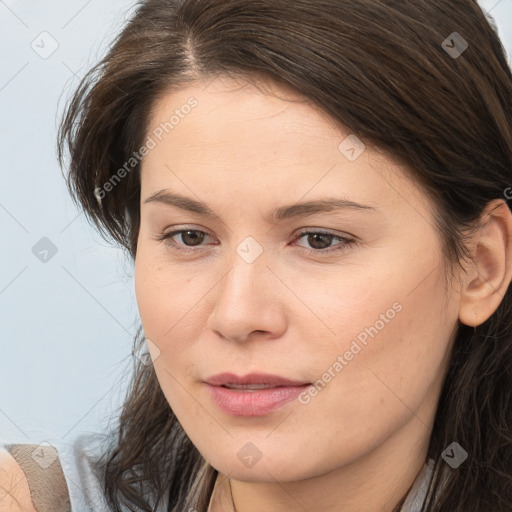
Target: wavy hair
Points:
(380, 68)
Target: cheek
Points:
(163, 312)
(388, 332)
(159, 292)
(169, 304)
(394, 356)
(148, 294)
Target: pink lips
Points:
(257, 402)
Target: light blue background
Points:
(66, 325)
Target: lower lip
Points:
(253, 403)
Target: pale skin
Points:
(360, 443)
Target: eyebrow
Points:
(304, 209)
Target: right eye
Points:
(192, 236)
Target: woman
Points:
(314, 194)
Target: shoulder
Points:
(14, 488)
(32, 479)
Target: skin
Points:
(359, 444)
(14, 488)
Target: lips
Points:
(255, 394)
(252, 381)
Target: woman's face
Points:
(245, 289)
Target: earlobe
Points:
(489, 275)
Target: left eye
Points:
(193, 238)
(316, 238)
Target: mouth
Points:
(253, 394)
(248, 387)
(253, 381)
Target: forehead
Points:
(231, 113)
(231, 135)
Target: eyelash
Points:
(347, 242)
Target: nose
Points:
(247, 303)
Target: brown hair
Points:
(381, 69)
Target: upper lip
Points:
(223, 379)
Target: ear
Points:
(487, 278)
